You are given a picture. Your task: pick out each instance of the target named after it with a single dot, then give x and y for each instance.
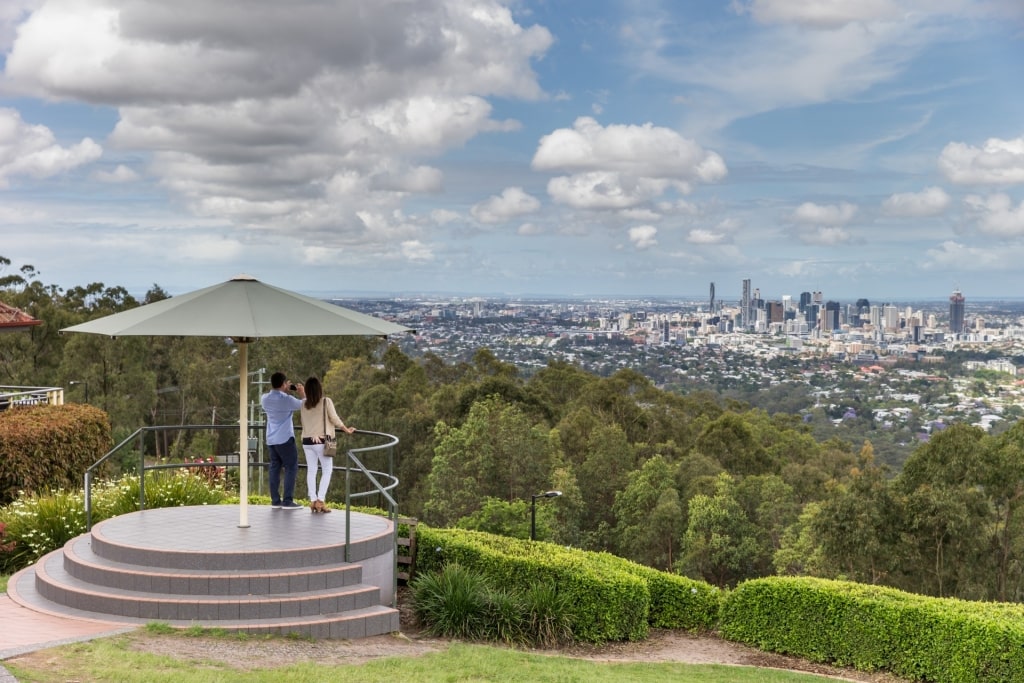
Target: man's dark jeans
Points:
(283, 455)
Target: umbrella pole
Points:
(243, 436)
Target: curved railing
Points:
(379, 483)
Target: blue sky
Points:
(862, 148)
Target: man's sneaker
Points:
(275, 506)
(291, 506)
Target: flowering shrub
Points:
(213, 474)
(35, 524)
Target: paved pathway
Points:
(25, 630)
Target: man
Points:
(279, 405)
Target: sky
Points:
(861, 148)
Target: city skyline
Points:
(522, 148)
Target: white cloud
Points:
(444, 216)
(954, 256)
(421, 179)
(620, 166)
(121, 174)
(645, 151)
(512, 203)
(822, 14)
(703, 236)
(803, 268)
(802, 52)
(32, 150)
(314, 255)
(996, 215)
(824, 236)
(305, 119)
(207, 249)
(640, 214)
(643, 236)
(414, 250)
(528, 229)
(607, 190)
(931, 201)
(810, 213)
(998, 162)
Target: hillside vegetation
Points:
(706, 487)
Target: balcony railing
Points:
(362, 484)
(11, 397)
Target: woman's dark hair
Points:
(314, 392)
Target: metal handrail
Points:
(372, 476)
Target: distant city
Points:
(808, 324)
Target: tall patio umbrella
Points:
(244, 309)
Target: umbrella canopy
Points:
(244, 309)
(241, 308)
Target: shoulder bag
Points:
(330, 443)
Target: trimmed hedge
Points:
(614, 599)
(875, 628)
(49, 447)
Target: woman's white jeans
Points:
(315, 458)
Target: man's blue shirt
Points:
(279, 407)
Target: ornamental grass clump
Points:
(457, 602)
(451, 602)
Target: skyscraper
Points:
(711, 309)
(831, 320)
(745, 305)
(956, 312)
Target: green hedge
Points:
(614, 599)
(49, 447)
(874, 628)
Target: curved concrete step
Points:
(194, 566)
(83, 564)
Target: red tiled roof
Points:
(11, 317)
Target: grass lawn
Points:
(110, 659)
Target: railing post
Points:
(142, 472)
(88, 500)
(348, 504)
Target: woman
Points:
(317, 413)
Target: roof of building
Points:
(11, 319)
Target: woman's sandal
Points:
(313, 506)
(323, 506)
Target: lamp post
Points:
(533, 510)
(82, 381)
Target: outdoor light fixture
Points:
(81, 381)
(533, 510)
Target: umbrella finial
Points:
(243, 276)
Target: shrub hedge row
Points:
(612, 598)
(49, 447)
(874, 628)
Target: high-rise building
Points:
(956, 312)
(745, 320)
(774, 312)
(831, 320)
(890, 318)
(805, 301)
(711, 307)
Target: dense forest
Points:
(692, 481)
